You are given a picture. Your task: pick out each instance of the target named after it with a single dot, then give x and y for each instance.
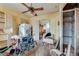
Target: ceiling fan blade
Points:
(38, 9)
(25, 11)
(25, 5)
(35, 15)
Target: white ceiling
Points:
(48, 7)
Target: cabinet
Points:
(6, 28)
(2, 25)
(3, 41)
(71, 28)
(2, 22)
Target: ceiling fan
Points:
(32, 9)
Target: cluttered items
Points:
(12, 49)
(27, 42)
(21, 44)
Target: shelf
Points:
(2, 17)
(2, 40)
(2, 33)
(2, 26)
(2, 22)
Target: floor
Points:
(42, 50)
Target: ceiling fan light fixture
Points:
(36, 14)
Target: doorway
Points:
(43, 28)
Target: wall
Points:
(52, 18)
(35, 25)
(54, 27)
(16, 17)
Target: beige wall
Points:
(51, 17)
(54, 27)
(16, 17)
